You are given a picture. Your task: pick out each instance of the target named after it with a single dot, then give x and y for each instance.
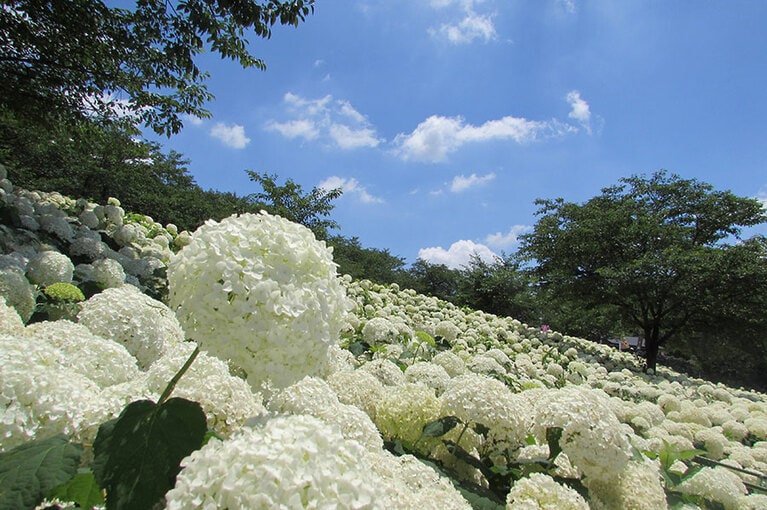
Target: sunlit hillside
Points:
(233, 368)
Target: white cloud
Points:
(433, 139)
(350, 186)
(762, 197)
(332, 121)
(473, 26)
(462, 183)
(231, 136)
(192, 119)
(509, 239)
(458, 255)
(348, 138)
(568, 5)
(579, 109)
(301, 128)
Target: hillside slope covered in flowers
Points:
(320, 391)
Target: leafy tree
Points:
(499, 287)
(372, 264)
(70, 60)
(290, 202)
(97, 162)
(436, 280)
(654, 248)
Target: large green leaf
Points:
(30, 471)
(138, 455)
(81, 489)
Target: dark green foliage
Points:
(436, 280)
(499, 287)
(97, 162)
(63, 60)
(137, 455)
(290, 202)
(28, 473)
(651, 249)
(372, 264)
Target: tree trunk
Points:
(651, 348)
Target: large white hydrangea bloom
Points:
(124, 314)
(40, 396)
(294, 461)
(261, 292)
(49, 267)
(541, 492)
(592, 436)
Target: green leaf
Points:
(553, 435)
(358, 348)
(440, 427)
(138, 455)
(82, 489)
(425, 338)
(530, 440)
(29, 472)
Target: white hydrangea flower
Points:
(261, 292)
(385, 371)
(228, 401)
(540, 491)
(287, 462)
(591, 434)
(476, 398)
(380, 330)
(315, 397)
(10, 322)
(358, 388)
(447, 330)
(49, 267)
(430, 374)
(451, 362)
(638, 486)
(103, 361)
(413, 485)
(403, 411)
(716, 484)
(18, 292)
(142, 324)
(108, 272)
(40, 397)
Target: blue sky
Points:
(444, 120)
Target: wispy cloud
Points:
(458, 255)
(335, 122)
(462, 183)
(510, 239)
(762, 197)
(231, 136)
(468, 25)
(579, 110)
(436, 137)
(350, 186)
(470, 28)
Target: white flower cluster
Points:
(261, 292)
(124, 314)
(298, 461)
(542, 492)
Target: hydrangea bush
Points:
(431, 406)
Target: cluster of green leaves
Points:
(136, 458)
(68, 61)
